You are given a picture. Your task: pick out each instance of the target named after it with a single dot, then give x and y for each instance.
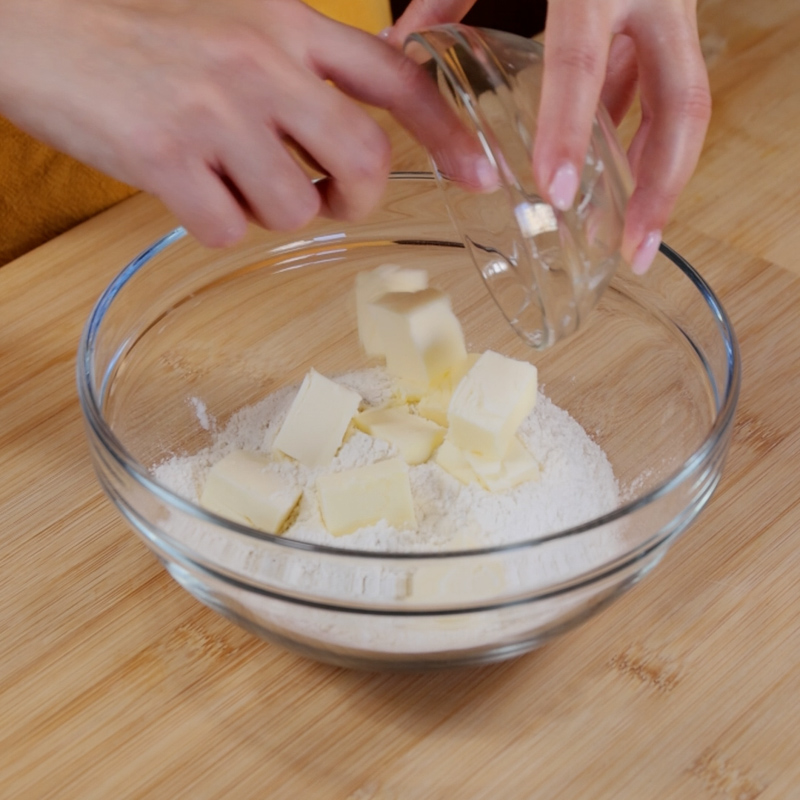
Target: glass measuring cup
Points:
(545, 268)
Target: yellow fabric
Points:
(369, 15)
(44, 192)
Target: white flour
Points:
(577, 484)
(201, 412)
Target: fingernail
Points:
(563, 187)
(646, 252)
(485, 174)
(384, 34)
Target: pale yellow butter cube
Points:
(366, 495)
(370, 286)
(241, 487)
(421, 336)
(489, 404)
(434, 403)
(517, 466)
(452, 460)
(454, 376)
(416, 438)
(406, 392)
(317, 420)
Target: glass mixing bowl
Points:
(653, 376)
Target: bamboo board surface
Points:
(115, 683)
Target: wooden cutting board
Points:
(114, 683)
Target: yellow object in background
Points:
(44, 192)
(369, 15)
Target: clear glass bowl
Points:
(545, 268)
(653, 376)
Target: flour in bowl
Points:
(576, 483)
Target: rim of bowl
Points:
(93, 416)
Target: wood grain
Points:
(114, 683)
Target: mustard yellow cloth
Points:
(44, 192)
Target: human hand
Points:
(599, 50)
(202, 103)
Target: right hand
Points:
(201, 103)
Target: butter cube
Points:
(489, 404)
(242, 488)
(452, 459)
(317, 420)
(365, 495)
(406, 392)
(434, 403)
(421, 336)
(415, 437)
(373, 284)
(516, 467)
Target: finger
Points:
(422, 14)
(345, 143)
(379, 75)
(577, 39)
(639, 139)
(676, 108)
(273, 186)
(202, 202)
(622, 74)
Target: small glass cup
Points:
(546, 269)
